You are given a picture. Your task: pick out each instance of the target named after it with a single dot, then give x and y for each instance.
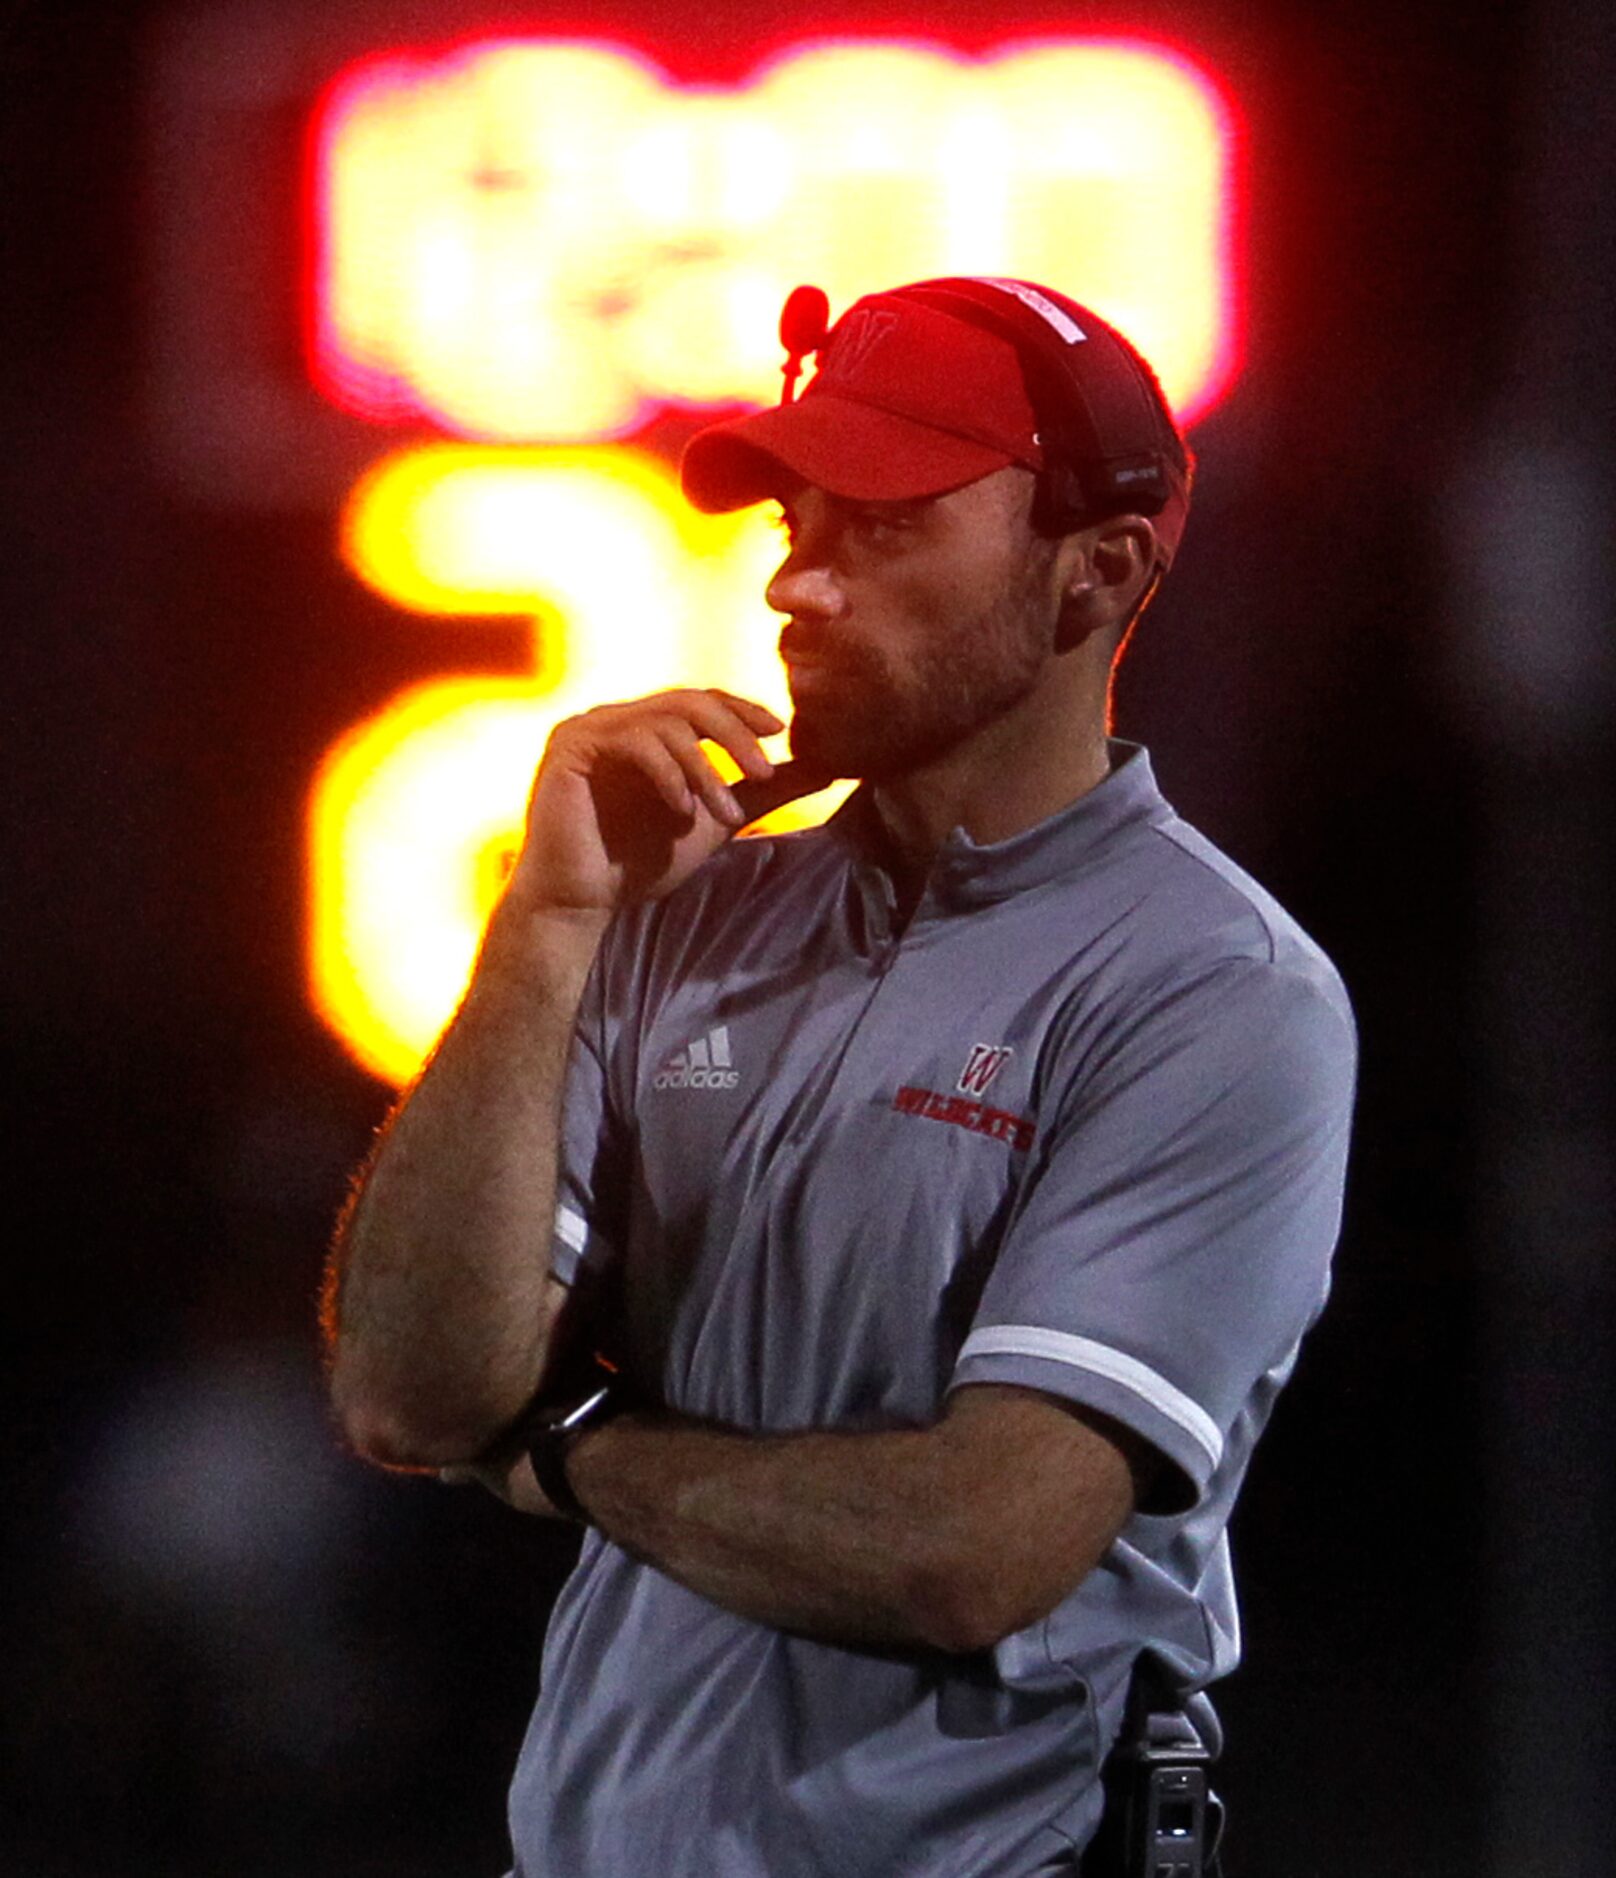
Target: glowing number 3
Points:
(415, 812)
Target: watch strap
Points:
(547, 1456)
(551, 1441)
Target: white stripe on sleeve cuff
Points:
(572, 1229)
(1060, 1346)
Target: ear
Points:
(1109, 567)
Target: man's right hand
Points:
(627, 804)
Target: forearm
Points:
(437, 1307)
(832, 1535)
(937, 1537)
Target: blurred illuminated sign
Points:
(527, 240)
(547, 244)
(417, 812)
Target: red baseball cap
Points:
(909, 401)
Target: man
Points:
(951, 1185)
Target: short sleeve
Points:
(589, 1183)
(1173, 1241)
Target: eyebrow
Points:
(896, 507)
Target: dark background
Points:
(1380, 677)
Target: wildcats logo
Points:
(967, 1109)
(704, 1064)
(981, 1066)
(962, 1112)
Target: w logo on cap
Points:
(981, 1066)
(856, 336)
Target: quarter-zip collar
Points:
(965, 874)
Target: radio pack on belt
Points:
(1161, 1819)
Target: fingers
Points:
(734, 723)
(661, 737)
(757, 718)
(704, 782)
(647, 747)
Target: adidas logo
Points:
(704, 1064)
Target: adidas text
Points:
(704, 1064)
(684, 1077)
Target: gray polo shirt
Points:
(1080, 1126)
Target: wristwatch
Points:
(550, 1441)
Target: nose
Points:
(806, 588)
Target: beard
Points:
(858, 715)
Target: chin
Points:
(862, 753)
(836, 745)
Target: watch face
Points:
(585, 1410)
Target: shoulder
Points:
(1210, 922)
(756, 891)
(751, 871)
(1204, 975)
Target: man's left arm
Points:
(948, 1537)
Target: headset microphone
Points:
(804, 322)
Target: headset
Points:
(1109, 443)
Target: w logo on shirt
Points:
(981, 1066)
(704, 1063)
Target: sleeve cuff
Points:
(571, 1243)
(1116, 1384)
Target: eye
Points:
(783, 522)
(882, 523)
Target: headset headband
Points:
(1103, 421)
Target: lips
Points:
(797, 651)
(809, 673)
(806, 657)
